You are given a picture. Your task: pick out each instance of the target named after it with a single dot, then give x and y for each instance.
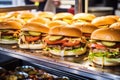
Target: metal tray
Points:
(76, 65)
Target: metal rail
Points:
(17, 8)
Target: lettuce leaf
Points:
(104, 54)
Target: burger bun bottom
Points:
(5, 41)
(67, 53)
(99, 61)
(32, 46)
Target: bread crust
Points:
(64, 15)
(32, 46)
(84, 16)
(45, 15)
(115, 25)
(38, 20)
(85, 27)
(4, 41)
(35, 27)
(106, 34)
(68, 53)
(103, 61)
(27, 15)
(104, 20)
(65, 31)
(57, 23)
(10, 25)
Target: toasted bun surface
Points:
(64, 15)
(106, 34)
(38, 20)
(57, 23)
(114, 17)
(12, 14)
(32, 46)
(99, 61)
(85, 27)
(45, 14)
(115, 25)
(15, 19)
(104, 20)
(24, 15)
(65, 31)
(10, 25)
(35, 27)
(84, 16)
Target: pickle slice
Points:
(109, 44)
(34, 33)
(54, 38)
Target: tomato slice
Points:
(54, 42)
(71, 43)
(99, 46)
(31, 38)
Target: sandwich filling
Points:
(109, 50)
(65, 43)
(9, 35)
(31, 37)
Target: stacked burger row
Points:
(64, 34)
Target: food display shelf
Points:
(17, 8)
(73, 67)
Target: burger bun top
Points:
(57, 23)
(104, 20)
(65, 31)
(106, 34)
(63, 15)
(85, 27)
(10, 25)
(115, 25)
(84, 16)
(33, 26)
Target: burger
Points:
(31, 36)
(2, 16)
(9, 32)
(103, 22)
(15, 19)
(64, 16)
(25, 16)
(86, 28)
(105, 49)
(47, 15)
(56, 23)
(115, 25)
(39, 20)
(9, 15)
(65, 41)
(114, 17)
(83, 17)
(12, 14)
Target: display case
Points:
(74, 67)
